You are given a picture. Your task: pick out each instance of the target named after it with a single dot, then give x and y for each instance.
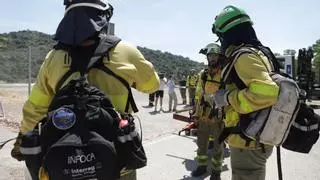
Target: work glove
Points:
(15, 152)
(220, 98)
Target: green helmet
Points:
(230, 17)
(211, 49)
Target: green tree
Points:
(316, 60)
(14, 56)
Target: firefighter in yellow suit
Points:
(249, 88)
(124, 60)
(208, 124)
(192, 80)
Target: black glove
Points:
(15, 152)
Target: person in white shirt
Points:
(172, 94)
(159, 93)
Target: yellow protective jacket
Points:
(204, 91)
(260, 91)
(192, 81)
(124, 60)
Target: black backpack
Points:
(304, 132)
(83, 136)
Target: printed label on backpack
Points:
(81, 173)
(81, 158)
(63, 118)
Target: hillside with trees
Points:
(14, 56)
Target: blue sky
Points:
(179, 26)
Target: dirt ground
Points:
(12, 103)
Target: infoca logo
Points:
(82, 158)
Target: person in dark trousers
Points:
(183, 89)
(151, 99)
(160, 92)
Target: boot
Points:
(215, 175)
(201, 170)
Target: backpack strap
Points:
(102, 50)
(214, 81)
(204, 78)
(271, 57)
(227, 131)
(247, 49)
(234, 57)
(107, 42)
(130, 100)
(279, 163)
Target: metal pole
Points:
(29, 72)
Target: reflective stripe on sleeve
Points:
(244, 103)
(266, 90)
(30, 150)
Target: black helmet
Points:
(98, 4)
(102, 5)
(83, 19)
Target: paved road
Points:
(172, 158)
(14, 87)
